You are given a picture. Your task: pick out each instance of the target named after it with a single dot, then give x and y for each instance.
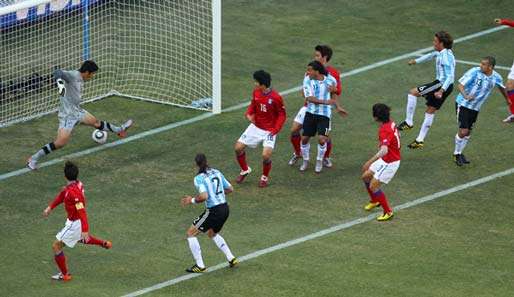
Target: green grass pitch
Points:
(458, 245)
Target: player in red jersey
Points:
(322, 54)
(267, 115)
(382, 167)
(76, 228)
(510, 79)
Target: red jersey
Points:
(332, 71)
(268, 109)
(74, 203)
(337, 75)
(388, 135)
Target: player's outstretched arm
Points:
(505, 95)
(424, 58)
(57, 200)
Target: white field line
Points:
(474, 63)
(232, 108)
(324, 232)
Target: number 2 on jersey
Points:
(216, 180)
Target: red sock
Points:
(60, 260)
(241, 159)
(329, 149)
(295, 140)
(372, 198)
(381, 197)
(511, 99)
(94, 240)
(266, 168)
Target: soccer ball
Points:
(99, 136)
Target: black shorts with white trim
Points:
(466, 117)
(314, 123)
(428, 90)
(212, 218)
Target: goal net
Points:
(164, 51)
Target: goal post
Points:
(163, 51)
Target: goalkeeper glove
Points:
(61, 87)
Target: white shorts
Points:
(70, 234)
(300, 116)
(511, 73)
(69, 121)
(383, 171)
(253, 135)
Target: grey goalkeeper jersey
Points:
(70, 102)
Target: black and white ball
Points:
(99, 136)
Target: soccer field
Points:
(459, 244)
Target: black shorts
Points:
(466, 117)
(428, 90)
(313, 123)
(212, 218)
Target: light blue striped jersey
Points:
(479, 85)
(214, 183)
(320, 90)
(444, 66)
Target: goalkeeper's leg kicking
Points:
(69, 84)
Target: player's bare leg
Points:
(194, 246)
(63, 137)
(296, 139)
(239, 148)
(60, 260)
(223, 246)
(92, 121)
(266, 166)
(412, 99)
(322, 148)
(305, 146)
(427, 123)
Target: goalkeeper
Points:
(69, 84)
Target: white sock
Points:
(458, 145)
(429, 118)
(306, 151)
(222, 245)
(194, 246)
(321, 151)
(411, 108)
(464, 143)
